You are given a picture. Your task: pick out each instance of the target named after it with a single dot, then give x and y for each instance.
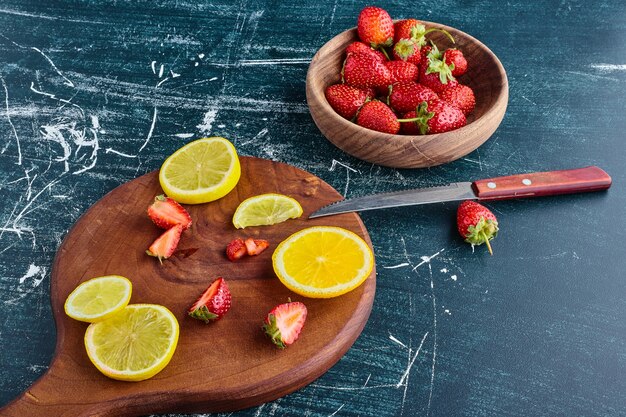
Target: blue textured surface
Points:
(96, 93)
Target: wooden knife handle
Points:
(538, 184)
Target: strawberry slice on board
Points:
(255, 246)
(165, 245)
(284, 323)
(236, 249)
(166, 213)
(214, 302)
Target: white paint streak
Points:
(149, 136)
(453, 277)
(45, 17)
(348, 168)
(262, 133)
(403, 264)
(427, 259)
(67, 81)
(405, 375)
(609, 67)
(432, 371)
(153, 66)
(6, 105)
(336, 411)
(184, 135)
(272, 62)
(207, 122)
(394, 339)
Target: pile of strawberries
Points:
(395, 81)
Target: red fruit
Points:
(461, 97)
(375, 27)
(407, 29)
(364, 71)
(407, 50)
(165, 245)
(345, 100)
(434, 116)
(455, 59)
(436, 74)
(236, 249)
(402, 71)
(476, 223)
(412, 127)
(284, 323)
(376, 115)
(213, 303)
(362, 48)
(256, 246)
(405, 96)
(166, 213)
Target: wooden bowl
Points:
(485, 76)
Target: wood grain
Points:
(224, 366)
(486, 76)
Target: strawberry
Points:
(406, 29)
(375, 27)
(165, 245)
(166, 213)
(436, 74)
(255, 246)
(407, 50)
(456, 60)
(236, 249)
(476, 223)
(357, 47)
(213, 303)
(346, 100)
(433, 116)
(402, 71)
(461, 97)
(284, 323)
(405, 96)
(364, 71)
(376, 115)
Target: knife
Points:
(534, 184)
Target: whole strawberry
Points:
(436, 74)
(407, 29)
(376, 115)
(213, 303)
(402, 71)
(476, 223)
(407, 50)
(375, 27)
(405, 96)
(461, 97)
(357, 47)
(456, 60)
(434, 116)
(365, 71)
(345, 100)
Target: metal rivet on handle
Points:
(491, 185)
(526, 181)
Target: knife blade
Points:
(534, 184)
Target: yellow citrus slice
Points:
(135, 344)
(265, 210)
(323, 261)
(98, 298)
(201, 171)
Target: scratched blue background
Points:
(96, 93)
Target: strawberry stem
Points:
(445, 32)
(487, 242)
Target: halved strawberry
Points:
(284, 323)
(165, 245)
(256, 246)
(166, 213)
(213, 303)
(236, 249)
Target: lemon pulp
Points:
(265, 210)
(323, 261)
(98, 298)
(135, 344)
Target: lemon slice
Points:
(323, 261)
(265, 210)
(201, 171)
(99, 298)
(135, 344)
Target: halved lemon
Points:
(265, 210)
(135, 344)
(201, 171)
(323, 261)
(98, 298)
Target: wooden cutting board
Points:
(222, 366)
